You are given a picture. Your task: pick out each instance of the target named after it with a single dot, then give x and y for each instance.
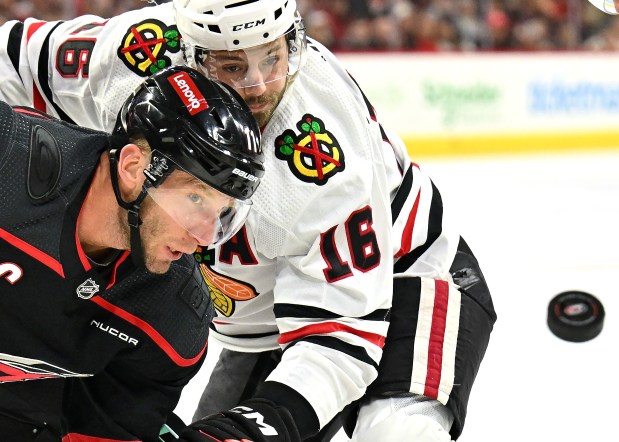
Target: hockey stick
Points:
(167, 434)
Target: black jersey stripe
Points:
(435, 228)
(14, 45)
(365, 99)
(354, 351)
(304, 311)
(372, 112)
(402, 194)
(43, 75)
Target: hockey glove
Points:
(255, 420)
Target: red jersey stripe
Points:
(407, 234)
(437, 337)
(150, 331)
(330, 327)
(74, 437)
(40, 256)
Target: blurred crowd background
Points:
(407, 25)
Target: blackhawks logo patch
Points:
(313, 155)
(224, 291)
(144, 46)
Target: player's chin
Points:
(262, 118)
(158, 266)
(159, 259)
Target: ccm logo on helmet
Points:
(189, 93)
(247, 176)
(251, 24)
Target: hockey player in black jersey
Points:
(104, 313)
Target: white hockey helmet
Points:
(608, 6)
(232, 24)
(207, 26)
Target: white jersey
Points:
(82, 70)
(312, 270)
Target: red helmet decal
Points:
(189, 92)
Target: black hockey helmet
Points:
(198, 126)
(203, 126)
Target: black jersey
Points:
(98, 351)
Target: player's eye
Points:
(195, 198)
(232, 68)
(272, 61)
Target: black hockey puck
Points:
(575, 316)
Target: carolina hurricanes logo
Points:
(144, 46)
(224, 291)
(314, 155)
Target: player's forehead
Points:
(181, 179)
(274, 47)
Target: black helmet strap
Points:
(133, 211)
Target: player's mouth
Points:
(258, 106)
(174, 255)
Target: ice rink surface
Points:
(539, 225)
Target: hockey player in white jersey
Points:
(349, 262)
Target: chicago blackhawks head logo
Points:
(144, 46)
(314, 155)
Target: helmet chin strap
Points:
(133, 218)
(133, 212)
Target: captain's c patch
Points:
(314, 155)
(144, 46)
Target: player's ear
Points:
(131, 163)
